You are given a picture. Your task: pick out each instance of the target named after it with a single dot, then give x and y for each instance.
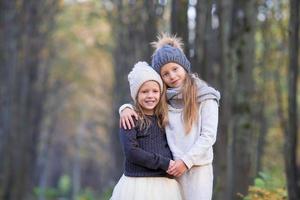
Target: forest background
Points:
(63, 76)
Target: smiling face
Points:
(173, 74)
(148, 96)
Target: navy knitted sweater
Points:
(147, 153)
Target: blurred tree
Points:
(270, 73)
(75, 139)
(206, 51)
(290, 144)
(271, 88)
(132, 33)
(262, 70)
(179, 22)
(243, 140)
(237, 28)
(223, 160)
(25, 28)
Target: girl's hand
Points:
(177, 169)
(126, 118)
(171, 164)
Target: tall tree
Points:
(26, 27)
(290, 144)
(203, 20)
(205, 51)
(224, 168)
(133, 33)
(236, 138)
(179, 22)
(243, 140)
(261, 98)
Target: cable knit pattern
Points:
(167, 54)
(147, 152)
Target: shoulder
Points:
(209, 102)
(209, 105)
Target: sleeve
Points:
(126, 105)
(137, 155)
(208, 133)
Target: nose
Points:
(171, 75)
(150, 95)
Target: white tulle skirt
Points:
(146, 188)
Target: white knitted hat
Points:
(141, 73)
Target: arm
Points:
(208, 132)
(139, 156)
(126, 105)
(126, 116)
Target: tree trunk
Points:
(76, 168)
(262, 97)
(202, 30)
(23, 88)
(290, 144)
(262, 134)
(224, 159)
(132, 35)
(244, 18)
(179, 22)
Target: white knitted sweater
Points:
(194, 148)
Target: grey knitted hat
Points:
(167, 54)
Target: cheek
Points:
(158, 96)
(140, 98)
(166, 81)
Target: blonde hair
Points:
(190, 103)
(189, 87)
(160, 111)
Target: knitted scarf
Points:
(205, 92)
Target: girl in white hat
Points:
(147, 154)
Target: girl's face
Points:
(148, 96)
(173, 74)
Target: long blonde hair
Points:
(189, 88)
(160, 111)
(190, 103)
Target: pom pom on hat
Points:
(141, 73)
(164, 39)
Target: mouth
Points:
(174, 82)
(150, 102)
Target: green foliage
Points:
(64, 184)
(106, 194)
(63, 191)
(49, 193)
(86, 194)
(266, 187)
